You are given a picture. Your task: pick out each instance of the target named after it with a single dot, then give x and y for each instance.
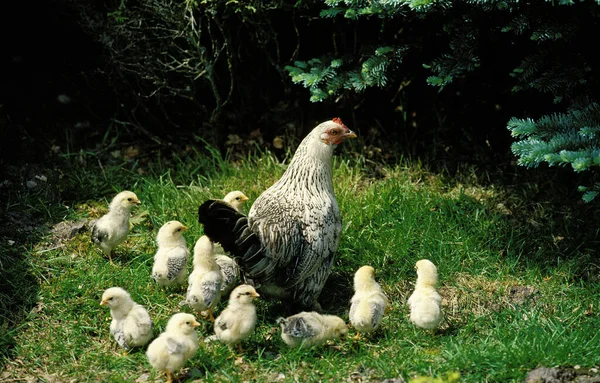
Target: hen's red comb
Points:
(338, 120)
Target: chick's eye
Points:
(129, 199)
(188, 322)
(237, 198)
(178, 229)
(110, 299)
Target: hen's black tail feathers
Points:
(225, 225)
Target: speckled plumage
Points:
(131, 325)
(369, 303)
(287, 243)
(230, 272)
(425, 302)
(111, 229)
(170, 261)
(204, 283)
(308, 329)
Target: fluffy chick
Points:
(112, 228)
(172, 348)
(131, 325)
(369, 303)
(236, 199)
(170, 261)
(230, 272)
(425, 302)
(229, 267)
(204, 283)
(237, 321)
(307, 329)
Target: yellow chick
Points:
(172, 348)
(236, 199)
(307, 329)
(236, 323)
(204, 283)
(425, 302)
(131, 325)
(112, 228)
(170, 261)
(369, 303)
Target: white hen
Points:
(169, 352)
(237, 321)
(369, 303)
(307, 329)
(425, 302)
(112, 228)
(204, 283)
(131, 325)
(170, 261)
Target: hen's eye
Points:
(333, 132)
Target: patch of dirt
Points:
(522, 294)
(64, 231)
(563, 375)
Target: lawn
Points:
(518, 274)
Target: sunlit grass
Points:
(511, 302)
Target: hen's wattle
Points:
(287, 243)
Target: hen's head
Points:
(334, 132)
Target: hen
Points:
(286, 244)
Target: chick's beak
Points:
(255, 294)
(195, 324)
(103, 302)
(184, 228)
(137, 202)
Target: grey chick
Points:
(131, 325)
(112, 228)
(170, 261)
(307, 329)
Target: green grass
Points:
(487, 240)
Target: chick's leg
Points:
(210, 315)
(110, 255)
(169, 376)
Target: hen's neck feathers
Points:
(311, 165)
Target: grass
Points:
(519, 277)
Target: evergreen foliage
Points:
(561, 139)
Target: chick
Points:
(175, 346)
(112, 228)
(236, 199)
(230, 272)
(237, 321)
(425, 302)
(204, 283)
(369, 303)
(307, 329)
(170, 261)
(131, 325)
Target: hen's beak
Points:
(349, 134)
